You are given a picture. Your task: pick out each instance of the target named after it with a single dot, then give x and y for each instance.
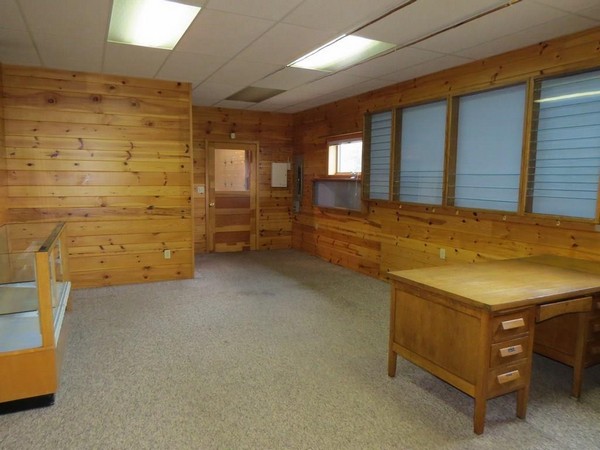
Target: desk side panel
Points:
(447, 338)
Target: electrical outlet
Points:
(200, 189)
(442, 253)
(167, 254)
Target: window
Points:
(489, 149)
(345, 157)
(337, 193)
(420, 175)
(342, 190)
(565, 146)
(377, 177)
(467, 151)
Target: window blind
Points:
(423, 136)
(380, 155)
(564, 169)
(489, 148)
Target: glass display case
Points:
(34, 294)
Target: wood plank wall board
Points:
(3, 172)
(274, 134)
(389, 237)
(112, 157)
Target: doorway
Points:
(231, 172)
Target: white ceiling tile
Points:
(426, 68)
(234, 104)
(592, 13)
(16, 47)
(221, 34)
(331, 83)
(285, 43)
(569, 5)
(242, 72)
(57, 52)
(74, 19)
(392, 62)
(264, 9)
(10, 16)
(361, 88)
(288, 78)
(207, 94)
(301, 106)
(292, 96)
(516, 17)
(265, 107)
(192, 67)
(531, 36)
(338, 15)
(423, 18)
(200, 3)
(263, 36)
(122, 59)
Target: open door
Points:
(231, 169)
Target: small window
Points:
(345, 157)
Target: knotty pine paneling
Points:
(112, 157)
(3, 174)
(393, 237)
(274, 134)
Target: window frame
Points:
(366, 164)
(522, 213)
(453, 149)
(530, 158)
(397, 150)
(337, 141)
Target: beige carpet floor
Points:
(272, 350)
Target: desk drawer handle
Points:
(508, 376)
(512, 350)
(511, 324)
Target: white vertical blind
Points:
(422, 143)
(380, 155)
(565, 165)
(489, 148)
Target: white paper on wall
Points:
(279, 174)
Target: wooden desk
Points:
(472, 325)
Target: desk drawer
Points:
(505, 379)
(509, 326)
(509, 351)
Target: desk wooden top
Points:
(506, 284)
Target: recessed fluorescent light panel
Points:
(150, 23)
(342, 52)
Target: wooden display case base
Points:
(24, 404)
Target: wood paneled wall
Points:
(112, 157)
(273, 133)
(3, 175)
(392, 237)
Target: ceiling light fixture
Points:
(340, 53)
(150, 23)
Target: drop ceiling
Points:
(234, 44)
